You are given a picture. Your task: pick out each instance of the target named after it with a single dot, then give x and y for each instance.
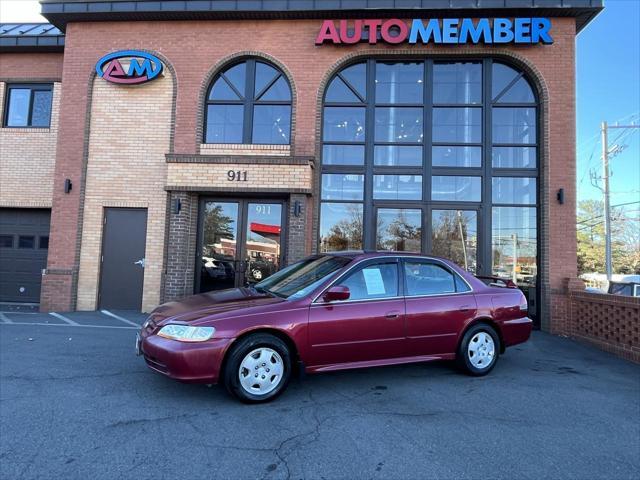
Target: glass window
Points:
(29, 106)
(514, 125)
(515, 190)
(338, 91)
(422, 278)
(457, 125)
(396, 156)
(26, 241)
(514, 244)
(224, 123)
(513, 157)
(501, 76)
(343, 154)
(457, 156)
(271, 124)
(454, 235)
(457, 83)
(344, 124)
(356, 76)
(342, 187)
(340, 226)
(399, 229)
(373, 281)
(398, 125)
(249, 109)
(6, 241)
(397, 187)
(456, 188)
(43, 242)
(399, 82)
(519, 92)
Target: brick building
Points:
(225, 139)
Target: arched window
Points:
(249, 103)
(434, 156)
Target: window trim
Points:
(248, 100)
(42, 87)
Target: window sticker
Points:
(373, 280)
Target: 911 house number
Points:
(237, 175)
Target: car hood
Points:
(197, 307)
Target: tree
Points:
(625, 239)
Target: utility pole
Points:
(605, 191)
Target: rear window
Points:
(425, 278)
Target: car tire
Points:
(479, 350)
(258, 368)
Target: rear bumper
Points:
(186, 362)
(516, 331)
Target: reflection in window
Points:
(515, 190)
(342, 187)
(219, 237)
(263, 240)
(456, 188)
(454, 235)
(398, 125)
(399, 82)
(510, 86)
(457, 125)
(250, 103)
(468, 157)
(457, 83)
(399, 229)
(397, 187)
(343, 154)
(513, 157)
(514, 244)
(514, 125)
(373, 281)
(343, 124)
(340, 226)
(397, 156)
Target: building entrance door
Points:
(240, 242)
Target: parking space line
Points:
(117, 327)
(63, 318)
(4, 318)
(117, 317)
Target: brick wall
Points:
(181, 246)
(291, 45)
(27, 159)
(610, 322)
(126, 167)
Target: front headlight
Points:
(185, 333)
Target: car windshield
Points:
(299, 279)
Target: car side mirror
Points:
(337, 293)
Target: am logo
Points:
(143, 67)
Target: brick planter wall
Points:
(609, 322)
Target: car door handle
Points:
(464, 308)
(392, 315)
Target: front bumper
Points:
(196, 362)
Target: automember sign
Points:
(439, 31)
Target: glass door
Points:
(240, 242)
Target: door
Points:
(240, 242)
(367, 326)
(24, 243)
(438, 304)
(123, 258)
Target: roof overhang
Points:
(61, 12)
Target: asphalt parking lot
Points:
(75, 402)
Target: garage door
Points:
(24, 241)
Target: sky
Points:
(608, 89)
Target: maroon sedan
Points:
(333, 312)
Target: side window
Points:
(373, 281)
(423, 278)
